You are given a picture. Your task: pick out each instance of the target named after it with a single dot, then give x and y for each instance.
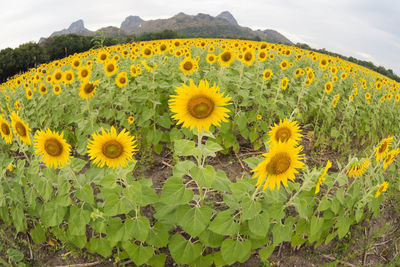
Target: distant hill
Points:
(202, 25)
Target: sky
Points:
(365, 29)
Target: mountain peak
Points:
(226, 15)
(131, 23)
(77, 26)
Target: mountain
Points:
(77, 27)
(130, 24)
(227, 16)
(200, 25)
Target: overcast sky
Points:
(365, 29)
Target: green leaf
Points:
(183, 168)
(52, 214)
(235, 250)
(343, 224)
(266, 252)
(15, 255)
(259, 225)
(224, 224)
(203, 176)
(114, 206)
(109, 181)
(315, 228)
(239, 190)
(139, 228)
(116, 231)
(203, 261)
(324, 204)
(283, 233)
(77, 164)
(221, 182)
(18, 216)
(211, 148)
(38, 234)
(195, 220)
(78, 218)
(157, 260)
(211, 239)
(158, 235)
(85, 194)
(139, 254)
(340, 195)
(185, 147)
(164, 121)
(100, 246)
(297, 240)
(78, 240)
(175, 193)
(252, 162)
(183, 251)
(250, 208)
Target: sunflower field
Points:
(315, 137)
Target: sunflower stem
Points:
(319, 109)
(21, 148)
(200, 162)
(90, 115)
(74, 175)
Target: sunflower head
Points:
(226, 58)
(121, 80)
(111, 149)
(5, 130)
(199, 106)
(52, 147)
(267, 74)
(20, 128)
(391, 156)
(211, 58)
(383, 148)
(279, 165)
(285, 131)
(382, 188)
(188, 66)
(88, 89)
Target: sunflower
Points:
(259, 117)
(121, 79)
(133, 71)
(358, 168)
(68, 76)
(280, 164)
(42, 89)
(323, 63)
(57, 76)
(383, 148)
(321, 178)
(367, 95)
(285, 131)
(52, 147)
(5, 130)
(131, 119)
(328, 87)
(17, 105)
(382, 188)
(111, 149)
(147, 52)
(188, 66)
(248, 57)
(391, 156)
(335, 100)
(226, 58)
(20, 128)
(87, 89)
(28, 93)
(110, 68)
(262, 55)
(199, 106)
(84, 73)
(102, 56)
(284, 64)
(267, 74)
(284, 83)
(211, 58)
(76, 63)
(56, 89)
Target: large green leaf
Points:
(195, 220)
(158, 235)
(52, 214)
(235, 250)
(224, 224)
(139, 254)
(183, 251)
(203, 176)
(175, 193)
